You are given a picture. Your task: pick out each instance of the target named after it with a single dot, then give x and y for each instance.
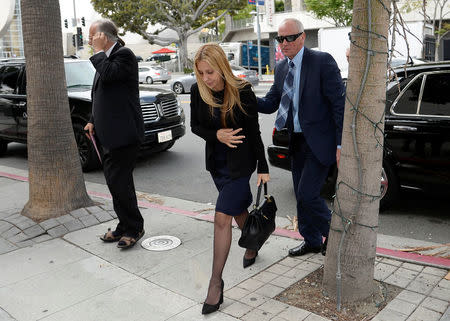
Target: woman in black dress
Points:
(224, 113)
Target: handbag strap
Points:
(258, 197)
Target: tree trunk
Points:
(55, 178)
(439, 35)
(183, 51)
(352, 253)
(424, 11)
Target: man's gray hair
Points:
(108, 28)
(297, 22)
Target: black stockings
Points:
(222, 243)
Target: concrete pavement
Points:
(60, 270)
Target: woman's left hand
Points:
(262, 178)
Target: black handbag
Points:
(260, 222)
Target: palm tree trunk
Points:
(349, 263)
(55, 178)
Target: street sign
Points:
(6, 15)
(251, 1)
(260, 2)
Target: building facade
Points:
(11, 44)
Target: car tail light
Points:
(157, 73)
(274, 130)
(242, 76)
(281, 156)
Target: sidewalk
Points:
(60, 270)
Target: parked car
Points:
(401, 61)
(150, 74)
(250, 75)
(164, 119)
(183, 84)
(417, 134)
(158, 58)
(139, 58)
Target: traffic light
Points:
(79, 37)
(66, 23)
(83, 22)
(74, 37)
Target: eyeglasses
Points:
(289, 38)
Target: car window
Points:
(8, 79)
(407, 103)
(80, 73)
(436, 95)
(143, 69)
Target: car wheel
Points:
(3, 147)
(88, 156)
(149, 80)
(164, 81)
(178, 88)
(390, 187)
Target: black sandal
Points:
(127, 242)
(110, 236)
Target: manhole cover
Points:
(161, 243)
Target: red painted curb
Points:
(414, 257)
(16, 177)
(418, 258)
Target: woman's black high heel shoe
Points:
(210, 308)
(248, 262)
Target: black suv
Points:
(417, 133)
(164, 119)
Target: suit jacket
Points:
(249, 154)
(321, 105)
(116, 111)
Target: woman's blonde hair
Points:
(214, 55)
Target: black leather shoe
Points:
(324, 247)
(303, 249)
(210, 308)
(248, 262)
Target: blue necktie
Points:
(286, 98)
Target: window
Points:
(80, 73)
(8, 79)
(436, 95)
(407, 104)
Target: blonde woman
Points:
(224, 113)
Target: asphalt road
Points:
(180, 172)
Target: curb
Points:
(384, 252)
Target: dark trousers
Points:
(309, 176)
(118, 165)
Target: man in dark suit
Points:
(118, 125)
(309, 95)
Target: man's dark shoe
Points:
(303, 249)
(324, 247)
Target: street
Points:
(180, 172)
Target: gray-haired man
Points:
(118, 125)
